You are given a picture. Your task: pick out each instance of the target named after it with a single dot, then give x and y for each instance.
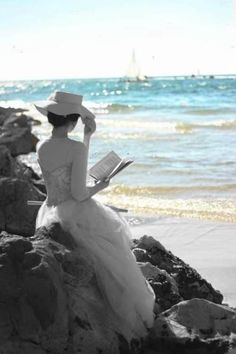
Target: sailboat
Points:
(134, 73)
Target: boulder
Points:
(50, 302)
(20, 120)
(5, 113)
(15, 215)
(40, 185)
(16, 121)
(194, 326)
(19, 140)
(189, 282)
(16, 116)
(7, 163)
(13, 167)
(49, 298)
(26, 172)
(163, 284)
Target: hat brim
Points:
(62, 109)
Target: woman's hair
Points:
(58, 121)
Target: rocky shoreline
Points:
(18, 182)
(49, 298)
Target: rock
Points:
(18, 183)
(204, 317)
(18, 140)
(5, 113)
(21, 170)
(154, 273)
(194, 326)
(141, 255)
(26, 172)
(20, 120)
(7, 163)
(190, 283)
(15, 215)
(40, 185)
(32, 298)
(49, 298)
(10, 116)
(11, 167)
(50, 302)
(57, 234)
(16, 121)
(149, 244)
(163, 284)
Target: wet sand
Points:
(207, 246)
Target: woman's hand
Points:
(89, 126)
(103, 184)
(99, 186)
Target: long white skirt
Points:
(107, 237)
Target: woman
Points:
(101, 230)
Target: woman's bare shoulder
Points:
(73, 145)
(78, 143)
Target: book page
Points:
(102, 169)
(123, 163)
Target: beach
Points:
(208, 246)
(161, 86)
(180, 192)
(181, 133)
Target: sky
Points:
(49, 39)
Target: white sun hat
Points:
(63, 103)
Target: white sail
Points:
(134, 72)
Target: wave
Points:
(15, 104)
(217, 124)
(125, 136)
(127, 190)
(208, 209)
(98, 108)
(106, 108)
(168, 126)
(141, 125)
(209, 111)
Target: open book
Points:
(108, 167)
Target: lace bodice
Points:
(69, 180)
(58, 182)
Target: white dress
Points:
(101, 230)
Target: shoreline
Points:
(208, 246)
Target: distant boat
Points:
(134, 72)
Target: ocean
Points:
(181, 132)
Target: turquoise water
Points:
(181, 132)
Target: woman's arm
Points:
(89, 129)
(79, 189)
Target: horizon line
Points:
(124, 77)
